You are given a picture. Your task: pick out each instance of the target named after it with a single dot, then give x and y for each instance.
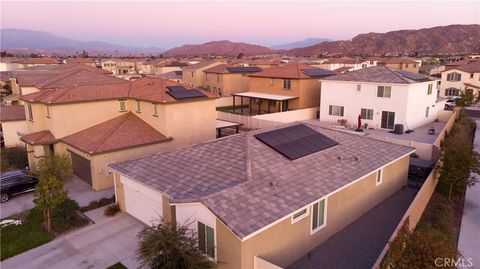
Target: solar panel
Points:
(176, 88)
(244, 69)
(413, 76)
(185, 94)
(317, 72)
(296, 141)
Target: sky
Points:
(166, 24)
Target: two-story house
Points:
(252, 197)
(287, 87)
(193, 75)
(224, 79)
(33, 62)
(399, 63)
(103, 123)
(346, 64)
(460, 79)
(383, 97)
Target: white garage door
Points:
(141, 206)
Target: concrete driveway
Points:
(99, 245)
(78, 190)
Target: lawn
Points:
(16, 239)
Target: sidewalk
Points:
(469, 239)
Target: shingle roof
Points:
(77, 77)
(12, 113)
(118, 133)
(39, 138)
(380, 74)
(233, 176)
(294, 71)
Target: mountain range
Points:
(451, 39)
(222, 48)
(301, 44)
(28, 39)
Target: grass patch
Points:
(118, 265)
(98, 203)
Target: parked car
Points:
(16, 182)
(450, 103)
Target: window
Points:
(206, 77)
(206, 241)
(287, 84)
(471, 75)
(406, 65)
(272, 82)
(48, 111)
(218, 78)
(359, 88)
(452, 92)
(335, 110)
(318, 216)
(193, 74)
(299, 215)
(273, 103)
(427, 111)
(139, 108)
(366, 113)
(454, 77)
(364, 65)
(378, 177)
(123, 105)
(155, 110)
(430, 87)
(30, 112)
(384, 91)
(414, 65)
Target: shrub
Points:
(14, 158)
(112, 210)
(98, 203)
(66, 217)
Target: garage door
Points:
(141, 206)
(81, 167)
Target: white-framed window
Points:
(384, 91)
(427, 111)
(206, 239)
(155, 110)
(430, 89)
(30, 112)
(366, 113)
(139, 106)
(379, 177)
(287, 84)
(335, 110)
(47, 108)
(359, 88)
(123, 105)
(300, 214)
(319, 215)
(452, 92)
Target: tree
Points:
(58, 166)
(84, 54)
(466, 98)
(49, 194)
(240, 55)
(166, 245)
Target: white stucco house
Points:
(457, 79)
(383, 96)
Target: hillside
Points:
(301, 44)
(223, 48)
(28, 39)
(452, 39)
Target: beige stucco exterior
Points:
(342, 207)
(226, 83)
(196, 77)
(410, 67)
(10, 130)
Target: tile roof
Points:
(294, 71)
(118, 133)
(148, 88)
(12, 113)
(397, 61)
(345, 60)
(77, 77)
(40, 61)
(39, 138)
(380, 74)
(472, 67)
(249, 185)
(200, 65)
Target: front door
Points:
(388, 119)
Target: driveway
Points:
(99, 245)
(78, 190)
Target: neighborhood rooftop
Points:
(248, 185)
(294, 71)
(381, 74)
(12, 113)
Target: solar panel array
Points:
(244, 69)
(176, 88)
(296, 141)
(317, 72)
(179, 92)
(413, 76)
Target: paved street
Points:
(96, 246)
(78, 190)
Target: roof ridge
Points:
(398, 75)
(60, 77)
(121, 121)
(65, 92)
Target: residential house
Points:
(85, 61)
(288, 87)
(176, 76)
(399, 63)
(193, 75)
(346, 63)
(162, 66)
(461, 78)
(8, 64)
(251, 197)
(119, 66)
(98, 124)
(224, 79)
(431, 70)
(32, 62)
(383, 96)
(13, 124)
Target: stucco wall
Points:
(10, 131)
(445, 84)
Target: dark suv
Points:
(16, 182)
